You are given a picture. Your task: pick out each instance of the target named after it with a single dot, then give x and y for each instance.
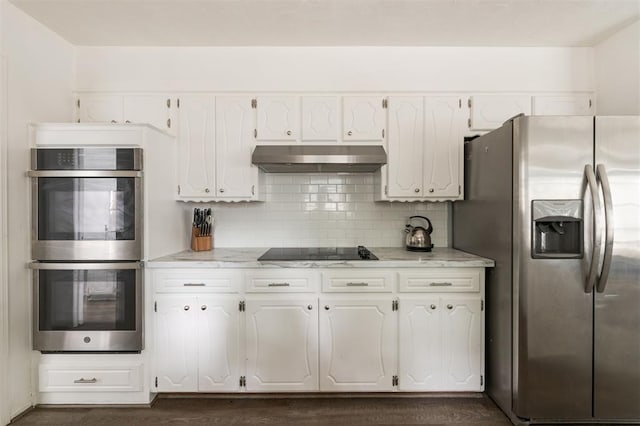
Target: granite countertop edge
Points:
(389, 257)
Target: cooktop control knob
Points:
(364, 253)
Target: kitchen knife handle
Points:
(601, 175)
(597, 241)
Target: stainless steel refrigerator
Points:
(555, 201)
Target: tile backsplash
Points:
(321, 210)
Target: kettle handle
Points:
(430, 228)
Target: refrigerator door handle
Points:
(597, 241)
(601, 174)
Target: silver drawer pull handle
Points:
(194, 284)
(83, 380)
(440, 284)
(279, 284)
(362, 284)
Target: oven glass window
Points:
(93, 209)
(87, 300)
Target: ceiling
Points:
(333, 22)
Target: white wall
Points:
(617, 72)
(335, 69)
(40, 72)
(296, 212)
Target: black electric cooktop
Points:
(318, 253)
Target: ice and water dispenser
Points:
(557, 229)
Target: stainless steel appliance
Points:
(319, 158)
(87, 306)
(87, 204)
(418, 238)
(555, 201)
(87, 218)
(318, 253)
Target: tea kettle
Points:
(418, 238)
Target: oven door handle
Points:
(85, 173)
(87, 266)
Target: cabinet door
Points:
(100, 109)
(282, 345)
(443, 147)
(218, 343)
(562, 105)
(196, 140)
(420, 344)
(363, 118)
(319, 118)
(489, 112)
(405, 147)
(461, 344)
(151, 109)
(175, 343)
(235, 175)
(358, 341)
(277, 118)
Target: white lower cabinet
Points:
(361, 330)
(440, 344)
(358, 340)
(196, 343)
(281, 344)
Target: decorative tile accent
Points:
(321, 210)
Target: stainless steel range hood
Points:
(319, 158)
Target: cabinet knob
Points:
(127, 121)
(186, 307)
(431, 189)
(417, 190)
(203, 307)
(326, 307)
(449, 306)
(221, 190)
(349, 133)
(206, 190)
(288, 132)
(433, 306)
(310, 307)
(113, 121)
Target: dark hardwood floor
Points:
(469, 410)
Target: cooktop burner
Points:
(318, 253)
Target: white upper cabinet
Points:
(363, 118)
(196, 145)
(112, 108)
(100, 109)
(152, 109)
(562, 105)
(405, 146)
(235, 175)
(443, 147)
(489, 112)
(319, 118)
(277, 118)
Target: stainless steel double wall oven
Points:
(87, 233)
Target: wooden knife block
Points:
(199, 243)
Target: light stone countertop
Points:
(389, 257)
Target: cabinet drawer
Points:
(60, 378)
(358, 281)
(198, 280)
(281, 281)
(440, 280)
